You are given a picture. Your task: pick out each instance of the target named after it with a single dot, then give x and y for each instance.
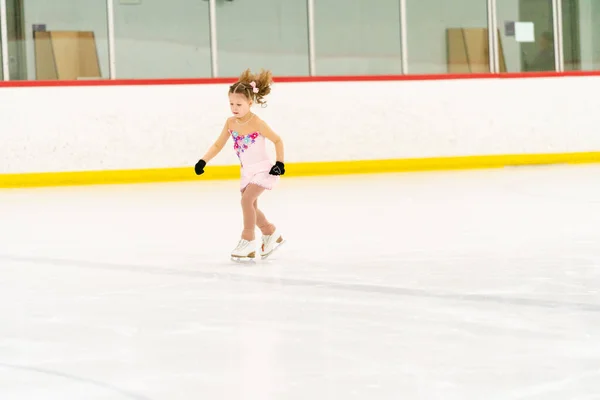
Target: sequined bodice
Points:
(250, 148)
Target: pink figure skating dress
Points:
(255, 164)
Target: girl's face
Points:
(239, 104)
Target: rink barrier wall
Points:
(134, 131)
(293, 170)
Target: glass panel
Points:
(357, 37)
(1, 68)
(445, 37)
(269, 34)
(15, 19)
(520, 51)
(57, 40)
(581, 34)
(162, 39)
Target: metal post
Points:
(4, 41)
(212, 17)
(312, 67)
(559, 59)
(403, 38)
(493, 36)
(110, 16)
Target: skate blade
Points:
(264, 256)
(243, 260)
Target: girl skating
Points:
(249, 133)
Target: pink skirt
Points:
(258, 174)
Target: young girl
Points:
(257, 172)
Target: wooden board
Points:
(469, 52)
(66, 55)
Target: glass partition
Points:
(57, 39)
(447, 36)
(581, 34)
(269, 34)
(526, 36)
(162, 39)
(357, 37)
(68, 39)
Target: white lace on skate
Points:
(270, 243)
(245, 250)
(241, 244)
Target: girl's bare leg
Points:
(249, 197)
(263, 224)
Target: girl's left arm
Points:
(267, 132)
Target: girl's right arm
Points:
(218, 145)
(213, 150)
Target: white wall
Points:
(130, 127)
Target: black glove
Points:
(277, 169)
(199, 168)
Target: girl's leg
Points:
(249, 196)
(263, 224)
(269, 241)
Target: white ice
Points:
(443, 285)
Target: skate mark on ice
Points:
(188, 271)
(98, 384)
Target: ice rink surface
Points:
(444, 285)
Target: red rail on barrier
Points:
(296, 79)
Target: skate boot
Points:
(245, 251)
(270, 243)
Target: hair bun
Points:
(254, 86)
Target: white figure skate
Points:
(245, 251)
(270, 243)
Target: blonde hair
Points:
(248, 81)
